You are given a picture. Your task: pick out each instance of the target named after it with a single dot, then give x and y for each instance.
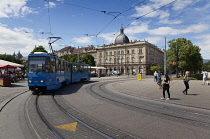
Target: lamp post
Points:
(177, 62)
(117, 62)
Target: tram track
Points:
(91, 131)
(6, 103)
(50, 127)
(182, 115)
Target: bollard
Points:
(139, 76)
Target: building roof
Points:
(122, 38)
(68, 48)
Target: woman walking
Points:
(186, 82)
(166, 86)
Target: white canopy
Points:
(97, 67)
(4, 63)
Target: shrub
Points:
(194, 77)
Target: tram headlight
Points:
(42, 81)
(29, 81)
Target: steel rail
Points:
(148, 110)
(81, 122)
(12, 99)
(50, 127)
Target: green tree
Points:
(39, 49)
(206, 66)
(156, 68)
(186, 55)
(88, 59)
(70, 58)
(10, 58)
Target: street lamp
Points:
(116, 55)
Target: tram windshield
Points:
(37, 64)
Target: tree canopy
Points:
(156, 68)
(86, 58)
(10, 58)
(186, 55)
(206, 66)
(39, 49)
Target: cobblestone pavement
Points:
(198, 94)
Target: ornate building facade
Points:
(127, 57)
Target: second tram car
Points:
(48, 72)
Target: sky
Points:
(25, 24)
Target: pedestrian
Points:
(186, 82)
(155, 76)
(159, 80)
(166, 86)
(205, 75)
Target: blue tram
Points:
(48, 72)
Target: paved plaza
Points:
(198, 94)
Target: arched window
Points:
(132, 59)
(100, 61)
(122, 60)
(128, 59)
(133, 51)
(106, 61)
(141, 59)
(127, 51)
(110, 60)
(118, 60)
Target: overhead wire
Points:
(49, 18)
(150, 12)
(117, 16)
(82, 7)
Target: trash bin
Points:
(139, 76)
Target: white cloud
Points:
(51, 5)
(14, 8)
(109, 37)
(170, 31)
(154, 40)
(204, 44)
(137, 29)
(167, 21)
(13, 40)
(83, 40)
(181, 4)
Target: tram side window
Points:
(74, 68)
(78, 68)
(68, 67)
(85, 69)
(62, 66)
(48, 68)
(81, 68)
(58, 65)
(52, 64)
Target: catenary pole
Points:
(165, 58)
